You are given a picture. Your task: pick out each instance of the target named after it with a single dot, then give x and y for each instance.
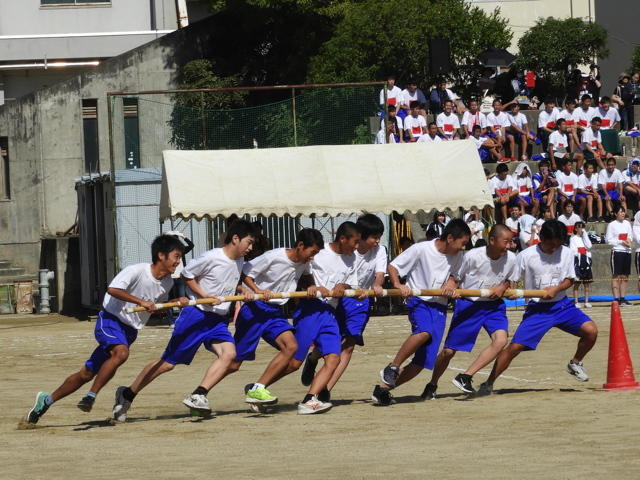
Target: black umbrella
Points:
(496, 57)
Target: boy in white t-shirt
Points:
(432, 134)
(394, 94)
(610, 184)
(415, 124)
(559, 144)
(471, 118)
(588, 195)
(547, 121)
(632, 177)
(386, 135)
(503, 189)
(518, 130)
(524, 187)
(570, 116)
(497, 123)
(568, 217)
(216, 273)
(486, 146)
(567, 184)
(115, 330)
(591, 145)
(448, 122)
(431, 264)
(584, 113)
(609, 117)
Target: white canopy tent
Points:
(322, 180)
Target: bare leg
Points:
(226, 352)
(288, 346)
(150, 373)
(410, 346)
(293, 365)
(615, 287)
(72, 383)
(504, 359)
(623, 285)
(442, 362)
(586, 293)
(588, 337)
(408, 373)
(489, 354)
(323, 375)
(119, 355)
(345, 357)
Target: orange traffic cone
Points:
(620, 370)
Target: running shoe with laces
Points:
(198, 402)
(121, 405)
(86, 403)
(39, 408)
(625, 303)
(260, 395)
(464, 383)
(313, 405)
(382, 396)
(578, 371)
(324, 395)
(308, 370)
(429, 392)
(389, 375)
(484, 390)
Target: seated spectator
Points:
(413, 94)
(386, 135)
(398, 124)
(585, 113)
(591, 144)
(610, 184)
(497, 123)
(471, 118)
(518, 130)
(448, 122)
(503, 189)
(609, 117)
(439, 95)
(524, 186)
(559, 147)
(581, 247)
(547, 121)
(486, 146)
(415, 124)
(568, 217)
(476, 225)
(513, 222)
(567, 184)
(631, 188)
(570, 117)
(394, 94)
(544, 187)
(432, 134)
(588, 194)
(527, 235)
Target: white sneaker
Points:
(197, 402)
(313, 406)
(578, 305)
(578, 371)
(120, 406)
(484, 390)
(587, 305)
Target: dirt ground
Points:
(540, 424)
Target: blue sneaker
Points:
(39, 408)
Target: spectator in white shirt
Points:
(439, 95)
(569, 218)
(570, 116)
(448, 122)
(559, 146)
(432, 134)
(620, 237)
(567, 184)
(497, 123)
(611, 183)
(632, 181)
(580, 245)
(547, 121)
(386, 135)
(518, 130)
(394, 94)
(609, 117)
(471, 118)
(486, 145)
(413, 94)
(524, 187)
(588, 193)
(503, 189)
(636, 240)
(585, 113)
(591, 145)
(415, 124)
(545, 186)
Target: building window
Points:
(74, 2)
(5, 180)
(90, 135)
(131, 132)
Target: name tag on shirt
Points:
(594, 143)
(502, 191)
(524, 188)
(582, 123)
(570, 229)
(569, 123)
(416, 129)
(605, 122)
(568, 188)
(391, 101)
(589, 188)
(582, 250)
(551, 124)
(610, 185)
(622, 236)
(448, 127)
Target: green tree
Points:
(374, 39)
(545, 50)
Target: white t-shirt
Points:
(559, 142)
(408, 97)
(569, 221)
(512, 223)
(330, 268)
(415, 124)
(368, 264)
(526, 223)
(609, 181)
(541, 270)
(472, 119)
(617, 232)
(589, 184)
(496, 122)
(584, 116)
(394, 96)
(608, 118)
(571, 118)
(590, 138)
(501, 187)
(523, 185)
(275, 272)
(448, 123)
(519, 120)
(480, 271)
(399, 123)
(425, 267)
(547, 120)
(138, 281)
(381, 140)
(427, 139)
(580, 245)
(217, 275)
(632, 177)
(567, 184)
(636, 230)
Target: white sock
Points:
(257, 386)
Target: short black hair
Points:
(165, 244)
(477, 127)
(549, 101)
(369, 225)
(241, 228)
(585, 97)
(605, 99)
(596, 120)
(553, 230)
(498, 229)
(502, 167)
(618, 207)
(543, 163)
(347, 230)
(432, 123)
(569, 202)
(570, 101)
(560, 121)
(457, 228)
(310, 237)
(414, 104)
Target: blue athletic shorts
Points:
(427, 317)
(541, 317)
(258, 319)
(109, 331)
(315, 323)
(353, 315)
(469, 317)
(525, 198)
(613, 194)
(195, 327)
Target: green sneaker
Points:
(260, 395)
(39, 408)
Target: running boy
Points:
(431, 264)
(548, 266)
(137, 285)
(492, 267)
(215, 273)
